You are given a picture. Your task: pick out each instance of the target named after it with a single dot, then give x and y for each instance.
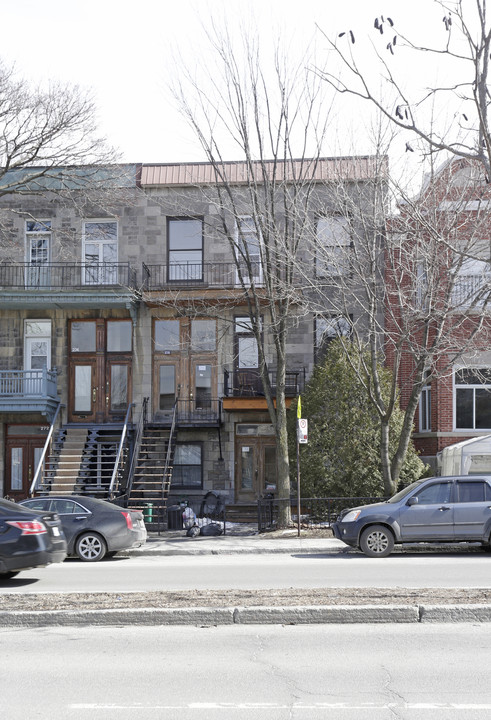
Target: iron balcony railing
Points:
(248, 383)
(66, 275)
(204, 411)
(214, 275)
(25, 384)
(471, 290)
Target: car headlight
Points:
(351, 516)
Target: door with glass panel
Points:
(100, 370)
(23, 455)
(255, 467)
(185, 369)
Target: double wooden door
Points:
(99, 370)
(255, 467)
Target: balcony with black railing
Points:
(248, 383)
(66, 276)
(199, 275)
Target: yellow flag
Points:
(299, 407)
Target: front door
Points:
(184, 368)
(23, 455)
(100, 370)
(255, 467)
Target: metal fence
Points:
(315, 513)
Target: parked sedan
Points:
(28, 539)
(437, 509)
(94, 528)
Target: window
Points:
(83, 336)
(185, 248)
(473, 491)
(119, 334)
(38, 242)
(247, 355)
(333, 245)
(435, 494)
(203, 335)
(167, 336)
(425, 409)
(100, 252)
(248, 250)
(187, 470)
(328, 328)
(472, 399)
(37, 344)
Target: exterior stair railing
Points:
(136, 444)
(42, 458)
(121, 455)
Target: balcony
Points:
(29, 391)
(243, 389)
(195, 275)
(471, 290)
(67, 284)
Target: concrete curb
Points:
(455, 613)
(258, 615)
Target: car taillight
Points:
(28, 528)
(128, 519)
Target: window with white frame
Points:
(100, 252)
(328, 328)
(248, 250)
(38, 248)
(334, 245)
(472, 398)
(185, 249)
(37, 344)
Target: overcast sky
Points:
(123, 50)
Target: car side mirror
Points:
(413, 500)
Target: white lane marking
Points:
(278, 706)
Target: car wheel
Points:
(90, 547)
(8, 575)
(377, 541)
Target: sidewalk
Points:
(175, 542)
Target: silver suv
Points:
(437, 509)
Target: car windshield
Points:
(405, 491)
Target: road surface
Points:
(432, 570)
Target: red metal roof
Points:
(323, 169)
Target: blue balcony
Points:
(33, 391)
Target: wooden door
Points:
(23, 455)
(255, 467)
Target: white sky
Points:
(123, 50)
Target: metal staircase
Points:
(151, 475)
(81, 461)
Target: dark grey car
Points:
(437, 509)
(93, 528)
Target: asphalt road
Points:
(409, 672)
(432, 570)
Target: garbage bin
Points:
(148, 513)
(174, 517)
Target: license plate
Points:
(56, 531)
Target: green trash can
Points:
(148, 513)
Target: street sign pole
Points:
(299, 415)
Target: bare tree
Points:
(413, 290)
(43, 130)
(269, 113)
(452, 117)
